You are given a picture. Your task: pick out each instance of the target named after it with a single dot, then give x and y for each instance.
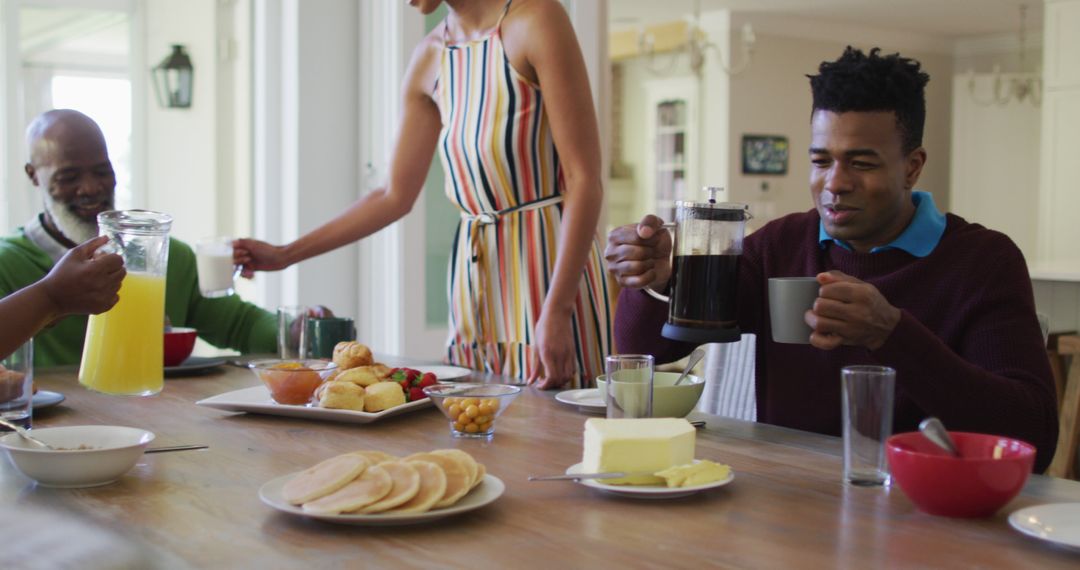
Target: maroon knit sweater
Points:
(968, 348)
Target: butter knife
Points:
(579, 476)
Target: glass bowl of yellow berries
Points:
(472, 408)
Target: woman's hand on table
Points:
(555, 351)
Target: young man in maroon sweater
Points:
(945, 302)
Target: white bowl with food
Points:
(84, 456)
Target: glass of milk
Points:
(214, 261)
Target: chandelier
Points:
(1019, 87)
(697, 45)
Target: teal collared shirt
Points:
(920, 237)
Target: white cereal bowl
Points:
(108, 452)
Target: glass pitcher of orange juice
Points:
(123, 354)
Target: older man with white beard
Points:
(69, 162)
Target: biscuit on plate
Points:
(383, 396)
(351, 354)
(341, 396)
(362, 375)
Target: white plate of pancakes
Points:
(432, 495)
(646, 491)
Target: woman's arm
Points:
(78, 284)
(553, 54)
(414, 148)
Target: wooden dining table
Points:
(787, 506)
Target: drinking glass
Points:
(868, 414)
(17, 386)
(628, 390)
(214, 262)
(292, 332)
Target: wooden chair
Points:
(1064, 462)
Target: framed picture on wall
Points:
(764, 154)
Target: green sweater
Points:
(223, 322)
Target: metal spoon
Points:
(695, 357)
(174, 448)
(934, 430)
(25, 434)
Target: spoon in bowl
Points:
(695, 357)
(25, 434)
(935, 431)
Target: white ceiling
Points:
(950, 19)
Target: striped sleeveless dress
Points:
(502, 171)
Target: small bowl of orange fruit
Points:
(292, 382)
(472, 408)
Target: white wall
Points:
(181, 144)
(995, 166)
(773, 97)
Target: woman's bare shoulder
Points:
(424, 66)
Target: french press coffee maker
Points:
(707, 243)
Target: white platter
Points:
(647, 491)
(487, 491)
(256, 400)
(588, 400)
(1058, 523)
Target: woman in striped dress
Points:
(500, 91)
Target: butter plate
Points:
(485, 493)
(588, 400)
(646, 491)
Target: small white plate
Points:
(256, 400)
(1058, 523)
(588, 400)
(47, 399)
(442, 371)
(487, 491)
(647, 491)
(194, 364)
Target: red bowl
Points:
(990, 471)
(179, 342)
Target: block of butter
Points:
(637, 446)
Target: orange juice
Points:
(123, 353)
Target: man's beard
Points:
(72, 226)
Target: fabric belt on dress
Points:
(481, 318)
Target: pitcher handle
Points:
(651, 292)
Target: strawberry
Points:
(416, 394)
(428, 379)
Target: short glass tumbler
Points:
(628, 391)
(472, 408)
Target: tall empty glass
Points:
(628, 388)
(867, 415)
(17, 386)
(123, 354)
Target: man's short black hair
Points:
(861, 82)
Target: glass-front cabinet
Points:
(671, 158)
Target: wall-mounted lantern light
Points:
(173, 79)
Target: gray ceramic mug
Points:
(789, 299)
